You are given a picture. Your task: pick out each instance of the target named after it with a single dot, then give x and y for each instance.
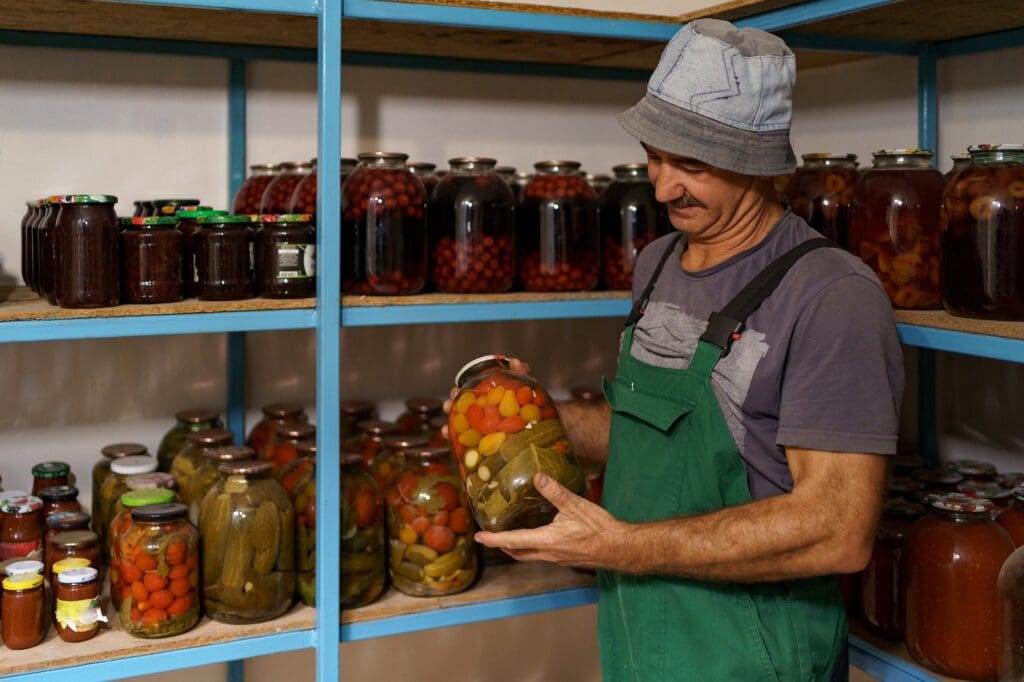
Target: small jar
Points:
(363, 563)
(113, 488)
(22, 527)
(280, 451)
(188, 461)
(999, 496)
(426, 174)
(278, 193)
(74, 544)
(907, 488)
(29, 274)
(247, 198)
(302, 467)
(176, 439)
(502, 443)
(1012, 519)
(121, 523)
(974, 471)
(151, 265)
(370, 440)
(168, 208)
(382, 210)
(13, 567)
(248, 552)
(146, 207)
(982, 220)
(208, 474)
(471, 221)
(23, 616)
(46, 474)
(598, 181)
(937, 481)
(389, 462)
(224, 258)
(273, 416)
(45, 250)
(430, 527)
(557, 230)
(286, 256)
(630, 218)
(59, 498)
(26, 253)
(895, 225)
(960, 161)
(353, 412)
(159, 569)
(188, 225)
(78, 612)
(418, 413)
(821, 191)
(950, 580)
(58, 524)
(880, 582)
(88, 262)
(101, 470)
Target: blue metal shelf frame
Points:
(884, 666)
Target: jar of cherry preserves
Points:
(188, 225)
(247, 198)
(286, 256)
(960, 161)
(630, 218)
(277, 196)
(224, 258)
(424, 172)
(151, 268)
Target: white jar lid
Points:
(28, 566)
(75, 576)
(135, 464)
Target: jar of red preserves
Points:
(881, 596)
(73, 544)
(425, 173)
(46, 474)
(302, 466)
(58, 524)
(303, 199)
(23, 616)
(960, 162)
(471, 218)
(352, 413)
(224, 258)
(519, 183)
(277, 195)
(363, 565)
(369, 441)
(29, 274)
(598, 181)
(993, 492)
(78, 612)
(1012, 519)
(88, 272)
(280, 449)
(821, 191)
(950, 581)
(389, 462)
(286, 256)
(558, 234)
(22, 527)
(59, 498)
(630, 218)
(383, 228)
(418, 413)
(151, 268)
(895, 225)
(250, 194)
(45, 250)
(274, 415)
(188, 225)
(982, 223)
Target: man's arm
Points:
(587, 425)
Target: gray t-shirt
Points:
(818, 366)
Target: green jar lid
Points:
(151, 221)
(226, 219)
(51, 470)
(286, 218)
(145, 496)
(88, 199)
(199, 212)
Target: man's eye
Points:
(694, 169)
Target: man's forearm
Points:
(587, 425)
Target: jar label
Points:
(31, 550)
(81, 615)
(295, 261)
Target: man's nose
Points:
(668, 186)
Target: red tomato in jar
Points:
(366, 509)
(449, 493)
(439, 539)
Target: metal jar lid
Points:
(245, 467)
(229, 453)
(155, 513)
(75, 538)
(210, 437)
(296, 430)
(961, 504)
(118, 450)
(58, 493)
(197, 416)
(281, 410)
(77, 576)
(51, 470)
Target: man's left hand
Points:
(582, 534)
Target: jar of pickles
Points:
(59, 498)
(950, 578)
(224, 258)
(151, 267)
(77, 604)
(304, 504)
(120, 524)
(286, 256)
(505, 429)
(73, 544)
(248, 556)
(113, 488)
(302, 467)
(277, 195)
(88, 272)
(362, 535)
(23, 614)
(1012, 519)
(101, 470)
(353, 412)
(280, 450)
(208, 474)
(821, 191)
(391, 458)
(29, 273)
(188, 225)
(273, 416)
(370, 440)
(895, 225)
(22, 527)
(557, 230)
(418, 413)
(880, 581)
(176, 440)
(383, 228)
(630, 218)
(982, 221)
(247, 198)
(188, 461)
(471, 218)
(426, 174)
(46, 474)
(430, 527)
(159, 572)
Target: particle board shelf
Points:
(886, 660)
(938, 330)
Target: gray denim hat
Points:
(721, 95)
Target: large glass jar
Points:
(45, 250)
(159, 572)
(430, 527)
(508, 174)
(224, 258)
(88, 254)
(471, 218)
(151, 267)
(383, 230)
(821, 191)
(960, 161)
(630, 219)
(362, 535)
(353, 412)
(273, 416)
(370, 440)
(280, 451)
(303, 466)
(101, 470)
(188, 225)
(881, 592)
(427, 174)
(1011, 591)
(250, 194)
(176, 439)
(46, 474)
(1012, 519)
(188, 461)
(390, 461)
(113, 488)
(418, 413)
(59, 498)
(23, 616)
(77, 604)
(208, 474)
(22, 527)
(983, 235)
(951, 569)
(278, 193)
(120, 524)
(304, 196)
(80, 544)
(895, 225)
(248, 556)
(557, 230)
(304, 504)
(519, 183)
(286, 256)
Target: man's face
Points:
(701, 200)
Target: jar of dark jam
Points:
(29, 273)
(151, 266)
(274, 415)
(73, 544)
(895, 225)
(59, 498)
(418, 413)
(960, 162)
(46, 474)
(12, 567)
(426, 174)
(369, 439)
(363, 545)
(277, 196)
(23, 615)
(286, 256)
(558, 233)
(247, 198)
(598, 181)
(22, 527)
(881, 596)
(188, 225)
(168, 208)
(146, 206)
(77, 610)
(1012, 518)
(950, 580)
(352, 413)
(630, 219)
(88, 261)
(821, 191)
(224, 258)
(26, 253)
(57, 525)
(471, 220)
(983, 235)
(45, 250)
(383, 206)
(508, 174)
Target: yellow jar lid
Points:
(74, 562)
(23, 581)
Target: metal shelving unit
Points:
(403, 34)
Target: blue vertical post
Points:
(328, 340)
(928, 138)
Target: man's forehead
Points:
(675, 157)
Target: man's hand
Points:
(582, 535)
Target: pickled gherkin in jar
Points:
(248, 556)
(504, 429)
(208, 474)
(101, 470)
(188, 461)
(362, 534)
(175, 440)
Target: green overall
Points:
(671, 455)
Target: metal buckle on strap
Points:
(722, 331)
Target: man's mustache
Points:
(686, 201)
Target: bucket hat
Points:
(722, 95)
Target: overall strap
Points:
(641, 303)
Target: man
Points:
(747, 426)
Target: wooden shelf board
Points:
(940, 319)
(455, 299)
(896, 649)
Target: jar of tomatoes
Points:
(188, 461)
(29, 273)
(389, 462)
(383, 227)
(122, 521)
(895, 225)
(113, 488)
(247, 198)
(960, 161)
(370, 440)
(950, 580)
(23, 616)
(426, 174)
(274, 415)
(286, 256)
(101, 470)
(151, 260)
(504, 429)
(22, 527)
(176, 440)
(821, 191)
(630, 219)
(982, 220)
(430, 527)
(557, 230)
(277, 195)
(881, 595)
(301, 467)
(304, 504)
(471, 219)
(363, 564)
(224, 258)
(418, 413)
(208, 474)
(1012, 519)
(352, 413)
(280, 449)
(46, 474)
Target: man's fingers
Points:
(555, 493)
(517, 365)
(512, 539)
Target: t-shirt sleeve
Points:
(843, 382)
